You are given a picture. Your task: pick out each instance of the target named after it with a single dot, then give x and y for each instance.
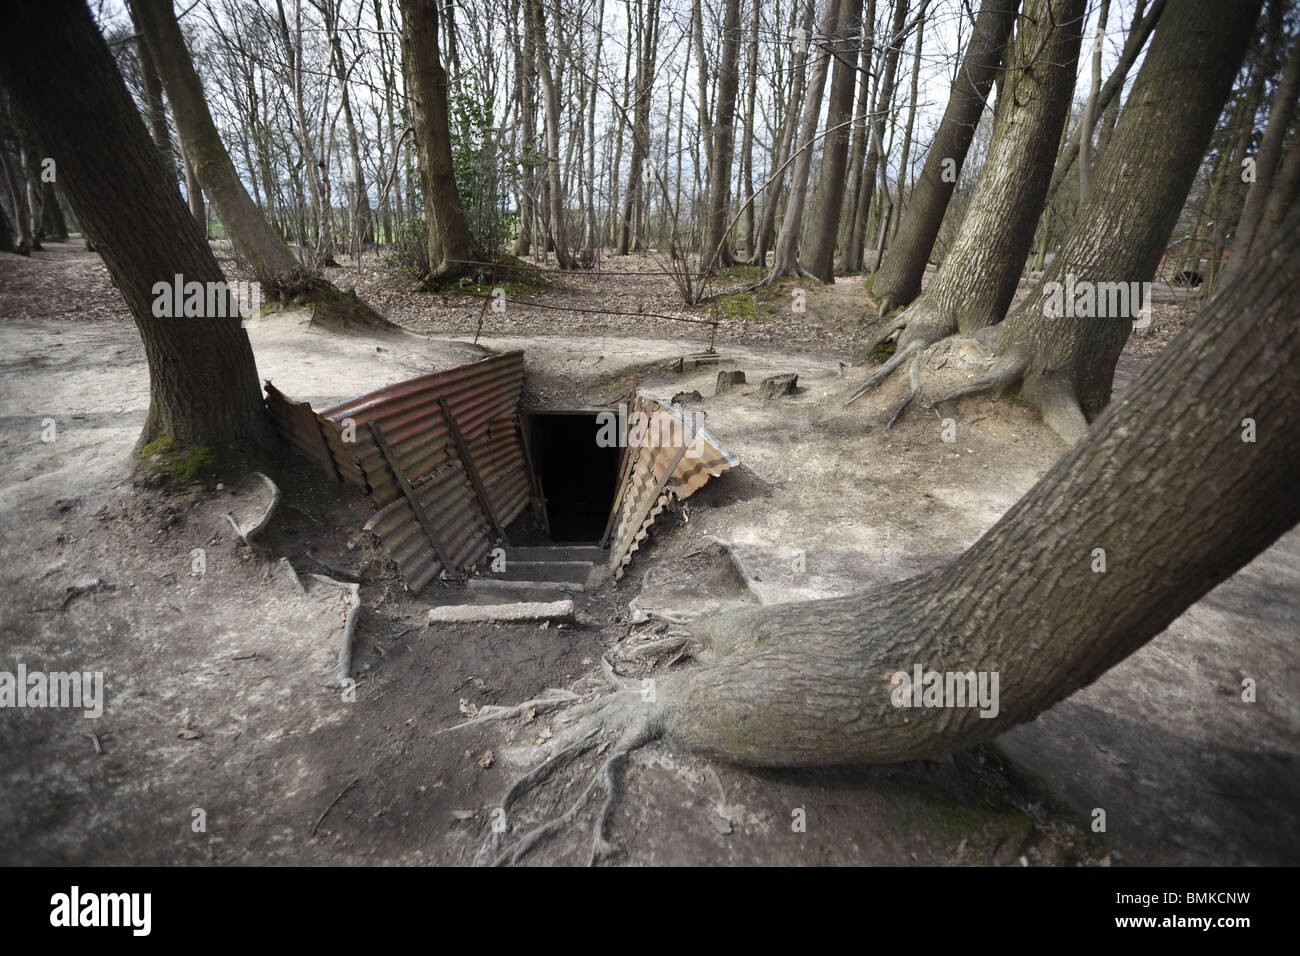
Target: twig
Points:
(342, 794)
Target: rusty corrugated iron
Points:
(661, 469)
(454, 436)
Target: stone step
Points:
(566, 572)
(571, 552)
(519, 612)
(485, 591)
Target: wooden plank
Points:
(420, 516)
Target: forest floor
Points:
(216, 682)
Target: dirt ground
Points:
(219, 690)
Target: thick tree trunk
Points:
(899, 280)
(1164, 483)
(978, 278)
(819, 256)
(265, 252)
(1067, 365)
(448, 234)
(203, 381)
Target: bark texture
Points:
(978, 279)
(1067, 365)
(203, 380)
(426, 80)
(1164, 483)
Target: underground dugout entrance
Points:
(578, 479)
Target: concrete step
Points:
(520, 612)
(486, 591)
(570, 552)
(567, 572)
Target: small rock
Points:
(721, 823)
(728, 380)
(774, 386)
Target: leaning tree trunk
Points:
(978, 278)
(203, 380)
(1067, 366)
(898, 281)
(1164, 483)
(265, 252)
(819, 256)
(448, 234)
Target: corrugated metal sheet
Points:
(675, 463)
(482, 401)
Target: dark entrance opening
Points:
(578, 477)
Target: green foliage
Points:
(481, 167)
(410, 252)
(180, 464)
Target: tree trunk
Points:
(862, 131)
(448, 234)
(265, 252)
(52, 222)
(772, 191)
(203, 381)
(1067, 366)
(716, 251)
(884, 96)
(978, 278)
(1163, 483)
(899, 280)
(525, 64)
(551, 102)
(819, 256)
(1270, 149)
(784, 261)
(747, 139)
(911, 113)
(1090, 110)
(1137, 38)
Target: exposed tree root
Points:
(898, 358)
(1006, 371)
(247, 534)
(634, 725)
